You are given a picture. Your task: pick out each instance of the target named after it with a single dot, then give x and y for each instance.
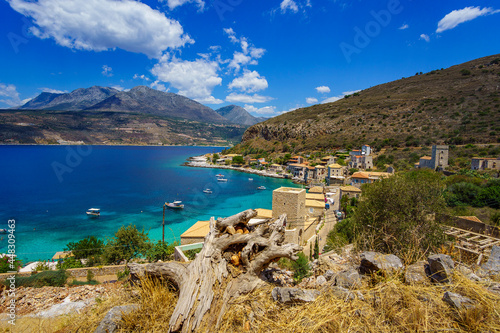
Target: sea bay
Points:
(47, 190)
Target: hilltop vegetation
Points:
(457, 105)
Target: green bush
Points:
(128, 243)
(42, 279)
(397, 213)
(90, 275)
(191, 254)
(161, 251)
(301, 267)
(6, 264)
(88, 247)
(465, 72)
(70, 262)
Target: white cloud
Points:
(456, 17)
(311, 100)
(99, 25)
(289, 5)
(158, 86)
(336, 98)
(142, 77)
(107, 71)
(118, 87)
(250, 82)
(425, 37)
(248, 55)
(53, 91)
(194, 79)
(266, 110)
(9, 95)
(323, 89)
(209, 100)
(242, 98)
(176, 3)
(404, 27)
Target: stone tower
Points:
(291, 201)
(439, 158)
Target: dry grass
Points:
(387, 306)
(390, 306)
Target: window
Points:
(311, 210)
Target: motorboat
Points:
(261, 188)
(175, 205)
(222, 179)
(219, 175)
(207, 190)
(3, 231)
(94, 212)
(250, 179)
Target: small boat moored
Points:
(219, 175)
(250, 179)
(175, 205)
(207, 190)
(222, 179)
(3, 231)
(261, 188)
(94, 212)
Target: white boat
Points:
(175, 205)
(3, 231)
(261, 188)
(221, 179)
(250, 179)
(207, 190)
(219, 175)
(94, 212)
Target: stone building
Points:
(438, 160)
(485, 163)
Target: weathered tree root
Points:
(205, 285)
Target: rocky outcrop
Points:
(457, 301)
(417, 273)
(294, 295)
(441, 267)
(374, 262)
(492, 266)
(348, 279)
(111, 322)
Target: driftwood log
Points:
(229, 264)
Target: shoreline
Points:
(200, 162)
(104, 145)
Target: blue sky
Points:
(268, 56)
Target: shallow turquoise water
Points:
(47, 190)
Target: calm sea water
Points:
(47, 190)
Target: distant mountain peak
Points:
(238, 115)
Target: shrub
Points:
(128, 243)
(88, 247)
(465, 72)
(46, 278)
(70, 262)
(7, 264)
(161, 251)
(301, 267)
(90, 275)
(397, 213)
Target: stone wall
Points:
(79, 272)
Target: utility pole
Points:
(163, 234)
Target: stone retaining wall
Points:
(79, 272)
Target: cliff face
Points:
(455, 105)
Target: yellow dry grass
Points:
(387, 305)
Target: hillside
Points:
(238, 115)
(457, 105)
(102, 127)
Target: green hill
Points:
(457, 105)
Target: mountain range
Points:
(457, 105)
(140, 99)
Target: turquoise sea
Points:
(47, 190)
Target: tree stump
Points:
(210, 281)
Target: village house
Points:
(350, 192)
(485, 163)
(365, 177)
(275, 168)
(437, 161)
(336, 174)
(327, 160)
(298, 170)
(321, 172)
(361, 162)
(296, 160)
